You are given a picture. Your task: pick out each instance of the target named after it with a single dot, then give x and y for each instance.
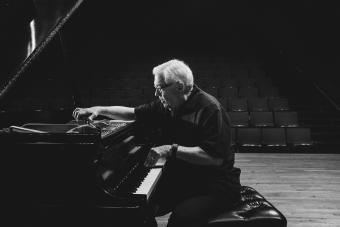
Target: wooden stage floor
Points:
(304, 187)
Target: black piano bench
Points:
(252, 211)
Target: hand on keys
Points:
(156, 153)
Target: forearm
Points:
(117, 112)
(197, 155)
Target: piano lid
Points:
(31, 25)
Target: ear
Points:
(179, 86)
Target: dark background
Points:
(303, 33)
(293, 39)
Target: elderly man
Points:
(200, 178)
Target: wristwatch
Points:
(174, 148)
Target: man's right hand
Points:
(89, 113)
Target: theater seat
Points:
(258, 104)
(299, 139)
(249, 140)
(278, 104)
(299, 136)
(239, 119)
(248, 92)
(237, 104)
(252, 211)
(228, 92)
(274, 140)
(261, 119)
(268, 91)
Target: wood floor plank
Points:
(304, 187)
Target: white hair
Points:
(173, 71)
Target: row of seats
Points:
(255, 104)
(264, 119)
(246, 91)
(221, 78)
(247, 139)
(224, 76)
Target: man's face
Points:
(165, 92)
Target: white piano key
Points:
(147, 185)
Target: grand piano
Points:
(56, 171)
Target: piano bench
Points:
(252, 211)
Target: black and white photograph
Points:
(170, 113)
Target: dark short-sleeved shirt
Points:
(200, 121)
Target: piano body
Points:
(57, 171)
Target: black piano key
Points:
(134, 180)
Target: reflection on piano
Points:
(57, 172)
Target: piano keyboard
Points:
(149, 182)
(139, 181)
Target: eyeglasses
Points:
(160, 88)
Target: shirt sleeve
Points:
(150, 113)
(215, 132)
